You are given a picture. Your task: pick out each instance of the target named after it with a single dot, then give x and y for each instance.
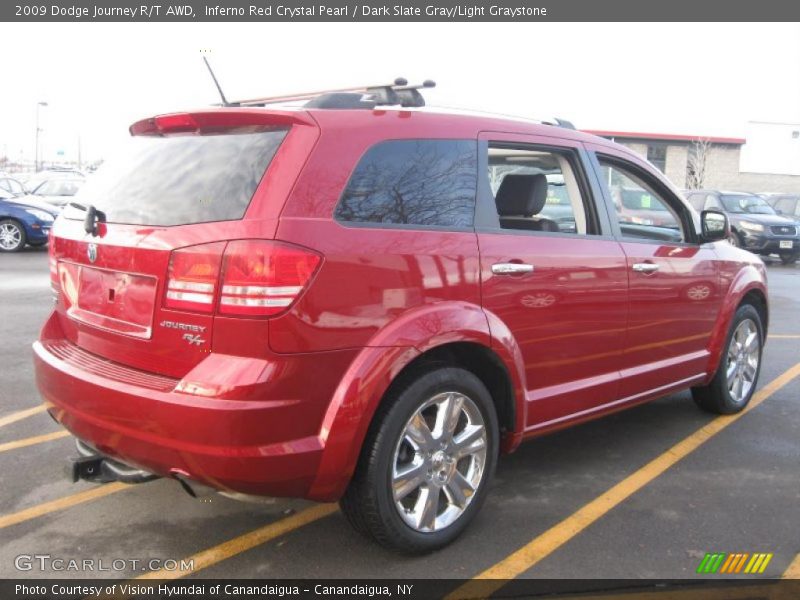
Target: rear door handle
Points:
(645, 267)
(511, 268)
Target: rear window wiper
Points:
(93, 217)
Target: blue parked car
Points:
(24, 220)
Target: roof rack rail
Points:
(368, 96)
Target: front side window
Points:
(712, 203)
(429, 183)
(788, 206)
(536, 190)
(640, 211)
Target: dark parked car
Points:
(341, 305)
(755, 226)
(24, 220)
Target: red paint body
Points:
(280, 406)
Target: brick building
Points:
(736, 164)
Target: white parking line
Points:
(24, 281)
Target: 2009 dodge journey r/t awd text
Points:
(362, 300)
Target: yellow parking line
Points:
(247, 541)
(22, 414)
(793, 572)
(61, 504)
(37, 439)
(493, 578)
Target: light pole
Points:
(38, 130)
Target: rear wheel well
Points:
(758, 301)
(479, 360)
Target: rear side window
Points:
(181, 179)
(429, 183)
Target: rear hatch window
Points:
(179, 180)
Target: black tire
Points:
(789, 258)
(735, 240)
(369, 503)
(12, 236)
(716, 397)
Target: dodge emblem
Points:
(91, 252)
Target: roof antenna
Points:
(216, 83)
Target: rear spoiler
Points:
(228, 120)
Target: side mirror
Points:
(778, 211)
(714, 225)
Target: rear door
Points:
(555, 278)
(674, 279)
(142, 289)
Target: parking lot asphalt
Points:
(639, 494)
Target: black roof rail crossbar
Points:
(397, 93)
(564, 123)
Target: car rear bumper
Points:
(242, 442)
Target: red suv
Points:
(361, 302)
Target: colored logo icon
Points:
(734, 563)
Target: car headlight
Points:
(750, 226)
(40, 214)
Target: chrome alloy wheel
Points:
(10, 236)
(743, 357)
(439, 462)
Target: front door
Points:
(674, 279)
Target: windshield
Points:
(180, 179)
(743, 203)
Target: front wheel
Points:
(737, 375)
(734, 240)
(789, 258)
(12, 236)
(427, 461)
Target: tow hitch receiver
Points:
(87, 468)
(92, 466)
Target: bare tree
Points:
(697, 163)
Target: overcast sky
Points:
(703, 79)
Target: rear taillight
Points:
(259, 278)
(264, 278)
(193, 276)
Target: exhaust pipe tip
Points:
(196, 490)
